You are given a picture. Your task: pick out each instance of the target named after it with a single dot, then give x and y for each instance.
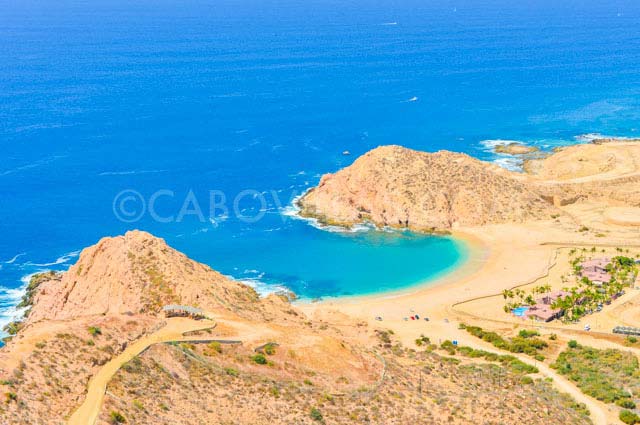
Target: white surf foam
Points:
(130, 172)
(13, 260)
(590, 137)
(9, 298)
(509, 162)
(253, 278)
(60, 260)
(35, 164)
(293, 211)
(491, 144)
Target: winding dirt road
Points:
(174, 330)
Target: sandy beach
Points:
(501, 257)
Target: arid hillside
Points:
(400, 187)
(137, 274)
(254, 361)
(194, 384)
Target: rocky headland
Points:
(399, 187)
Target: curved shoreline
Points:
(477, 253)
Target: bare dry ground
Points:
(189, 384)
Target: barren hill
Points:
(136, 273)
(400, 187)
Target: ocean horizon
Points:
(219, 113)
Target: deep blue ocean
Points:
(180, 102)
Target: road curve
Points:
(174, 330)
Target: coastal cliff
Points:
(399, 187)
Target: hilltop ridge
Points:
(135, 273)
(399, 187)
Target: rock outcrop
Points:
(136, 273)
(400, 187)
(515, 149)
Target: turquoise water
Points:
(342, 264)
(195, 96)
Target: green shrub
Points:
(270, 349)
(526, 341)
(626, 403)
(528, 334)
(231, 371)
(11, 396)
(215, 346)
(259, 359)
(117, 418)
(449, 347)
(422, 340)
(94, 330)
(573, 343)
(526, 380)
(13, 328)
(315, 414)
(509, 361)
(629, 417)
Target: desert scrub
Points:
(316, 415)
(117, 418)
(94, 331)
(626, 403)
(629, 417)
(423, 340)
(270, 348)
(526, 380)
(259, 359)
(526, 342)
(231, 371)
(213, 348)
(384, 336)
(448, 347)
(603, 374)
(514, 364)
(133, 366)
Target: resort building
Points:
(598, 278)
(596, 270)
(551, 297)
(543, 313)
(596, 265)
